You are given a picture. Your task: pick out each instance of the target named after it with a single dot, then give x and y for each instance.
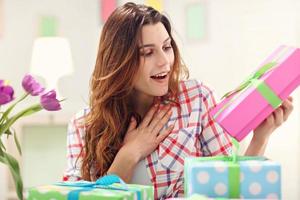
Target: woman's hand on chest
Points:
(142, 140)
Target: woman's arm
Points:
(124, 164)
(256, 147)
(262, 133)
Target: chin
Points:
(162, 92)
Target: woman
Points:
(144, 117)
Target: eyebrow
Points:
(152, 45)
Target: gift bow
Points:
(261, 71)
(104, 182)
(254, 80)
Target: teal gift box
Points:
(228, 177)
(109, 187)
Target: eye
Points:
(146, 53)
(167, 47)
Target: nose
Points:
(162, 59)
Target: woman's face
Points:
(156, 61)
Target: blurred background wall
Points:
(235, 36)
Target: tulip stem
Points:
(6, 113)
(25, 112)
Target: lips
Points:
(160, 76)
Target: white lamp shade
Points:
(51, 59)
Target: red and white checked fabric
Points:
(194, 134)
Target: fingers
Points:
(278, 116)
(160, 123)
(148, 117)
(132, 124)
(281, 114)
(160, 118)
(290, 98)
(287, 107)
(164, 134)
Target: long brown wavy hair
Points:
(111, 84)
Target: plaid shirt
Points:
(194, 134)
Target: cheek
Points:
(171, 58)
(171, 61)
(141, 75)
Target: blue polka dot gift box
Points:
(232, 177)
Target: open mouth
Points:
(160, 76)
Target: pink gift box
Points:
(242, 111)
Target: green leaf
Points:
(14, 168)
(3, 120)
(8, 132)
(2, 159)
(17, 143)
(25, 112)
(2, 147)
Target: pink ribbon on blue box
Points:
(104, 182)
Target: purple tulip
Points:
(31, 86)
(49, 101)
(6, 93)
